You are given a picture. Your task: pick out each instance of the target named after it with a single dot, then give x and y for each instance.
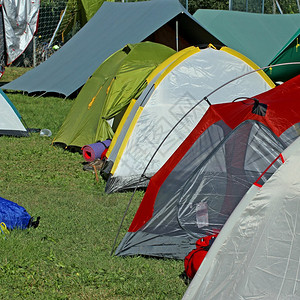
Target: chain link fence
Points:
(56, 26)
(48, 36)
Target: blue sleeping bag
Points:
(13, 215)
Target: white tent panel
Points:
(142, 100)
(8, 119)
(10, 123)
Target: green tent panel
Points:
(290, 53)
(102, 101)
(266, 39)
(90, 7)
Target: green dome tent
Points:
(102, 101)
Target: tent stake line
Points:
(122, 221)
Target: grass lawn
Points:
(12, 73)
(68, 255)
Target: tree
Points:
(287, 6)
(193, 5)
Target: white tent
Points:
(10, 119)
(257, 253)
(184, 83)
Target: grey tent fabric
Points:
(113, 26)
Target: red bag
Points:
(194, 259)
(102, 157)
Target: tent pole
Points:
(34, 51)
(177, 35)
(205, 98)
(122, 221)
(57, 27)
(278, 6)
(298, 5)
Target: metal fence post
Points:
(34, 51)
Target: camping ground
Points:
(68, 255)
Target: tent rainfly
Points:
(10, 118)
(256, 255)
(186, 82)
(161, 21)
(275, 35)
(102, 101)
(234, 146)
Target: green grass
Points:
(12, 73)
(68, 255)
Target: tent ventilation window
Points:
(127, 49)
(258, 108)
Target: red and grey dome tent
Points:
(197, 189)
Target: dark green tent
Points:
(266, 39)
(103, 99)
